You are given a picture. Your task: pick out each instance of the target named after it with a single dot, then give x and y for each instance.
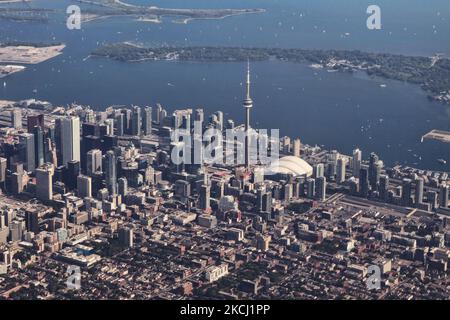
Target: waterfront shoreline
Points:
(429, 73)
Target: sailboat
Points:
(4, 84)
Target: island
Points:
(6, 70)
(103, 9)
(111, 8)
(28, 53)
(25, 14)
(16, 53)
(431, 73)
(438, 135)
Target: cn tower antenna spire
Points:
(248, 79)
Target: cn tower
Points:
(248, 104)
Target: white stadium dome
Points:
(290, 165)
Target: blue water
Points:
(332, 109)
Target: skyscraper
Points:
(205, 193)
(182, 190)
(94, 162)
(147, 121)
(321, 188)
(443, 195)
(123, 187)
(16, 179)
(84, 186)
(406, 192)
(35, 120)
(39, 145)
(357, 158)
(71, 174)
(378, 168)
(162, 116)
(136, 121)
(311, 188)
(418, 199)
(285, 144)
(111, 172)
(32, 220)
(158, 112)
(70, 139)
(44, 182)
(263, 242)
(110, 126)
(58, 140)
(364, 181)
(219, 115)
(199, 115)
(297, 147)
(248, 104)
(384, 187)
(16, 229)
(432, 199)
(375, 166)
(90, 116)
(50, 152)
(341, 170)
(126, 237)
(259, 199)
(3, 164)
(120, 124)
(318, 170)
(27, 151)
(16, 118)
(128, 117)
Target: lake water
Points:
(336, 110)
